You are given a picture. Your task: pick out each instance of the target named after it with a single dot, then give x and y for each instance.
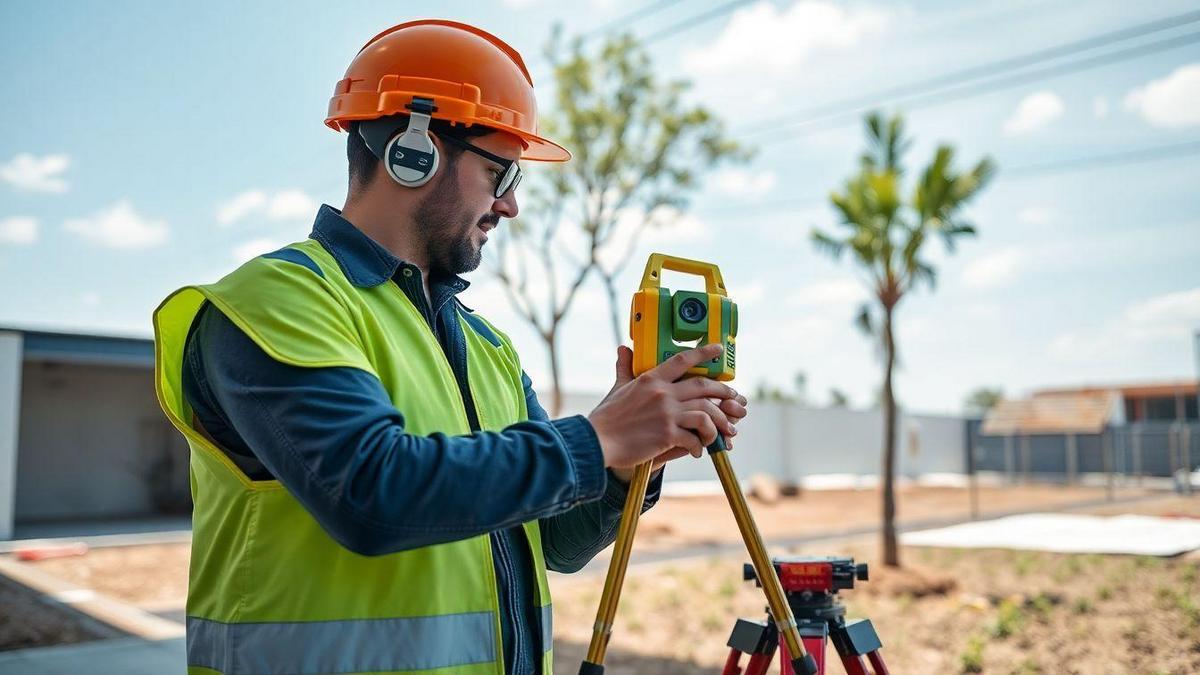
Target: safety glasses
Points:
(509, 180)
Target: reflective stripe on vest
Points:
(360, 645)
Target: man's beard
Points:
(449, 231)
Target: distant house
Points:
(81, 434)
(1145, 429)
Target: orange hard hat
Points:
(472, 76)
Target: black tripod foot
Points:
(805, 665)
(589, 668)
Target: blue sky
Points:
(149, 145)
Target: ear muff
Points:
(410, 157)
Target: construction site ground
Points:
(945, 611)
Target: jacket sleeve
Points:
(572, 538)
(334, 440)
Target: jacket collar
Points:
(363, 260)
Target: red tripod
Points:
(811, 586)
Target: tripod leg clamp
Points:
(805, 665)
(589, 668)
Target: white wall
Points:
(11, 350)
(791, 442)
(87, 437)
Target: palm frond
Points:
(827, 244)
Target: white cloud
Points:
(742, 183)
(829, 292)
(794, 227)
(39, 174)
(1165, 315)
(675, 227)
(1100, 107)
(668, 227)
(90, 299)
(1034, 112)
(254, 248)
(18, 230)
(1035, 215)
(748, 293)
(994, 269)
(1170, 318)
(119, 226)
(291, 205)
(766, 37)
(282, 205)
(1173, 101)
(241, 206)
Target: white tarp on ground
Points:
(1069, 533)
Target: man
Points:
(376, 487)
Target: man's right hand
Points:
(644, 417)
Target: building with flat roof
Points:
(81, 434)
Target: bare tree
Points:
(638, 149)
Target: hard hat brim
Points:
(537, 149)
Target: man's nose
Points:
(507, 205)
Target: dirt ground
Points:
(155, 577)
(1004, 612)
(948, 611)
(689, 521)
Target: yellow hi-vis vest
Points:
(269, 590)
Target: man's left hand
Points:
(734, 408)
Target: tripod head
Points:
(811, 583)
(810, 586)
(814, 574)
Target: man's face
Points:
(461, 206)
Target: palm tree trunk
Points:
(891, 555)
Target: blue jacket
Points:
(280, 421)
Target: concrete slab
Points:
(127, 656)
(1069, 533)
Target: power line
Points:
(987, 87)
(694, 20)
(1136, 156)
(635, 15)
(1072, 165)
(997, 67)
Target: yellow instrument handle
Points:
(652, 277)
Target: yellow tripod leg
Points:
(802, 662)
(611, 595)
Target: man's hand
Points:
(657, 416)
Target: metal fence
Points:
(1144, 449)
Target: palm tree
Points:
(886, 236)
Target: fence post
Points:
(1173, 455)
(1137, 454)
(1106, 457)
(972, 438)
(1072, 459)
(1026, 458)
(1010, 459)
(1185, 451)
